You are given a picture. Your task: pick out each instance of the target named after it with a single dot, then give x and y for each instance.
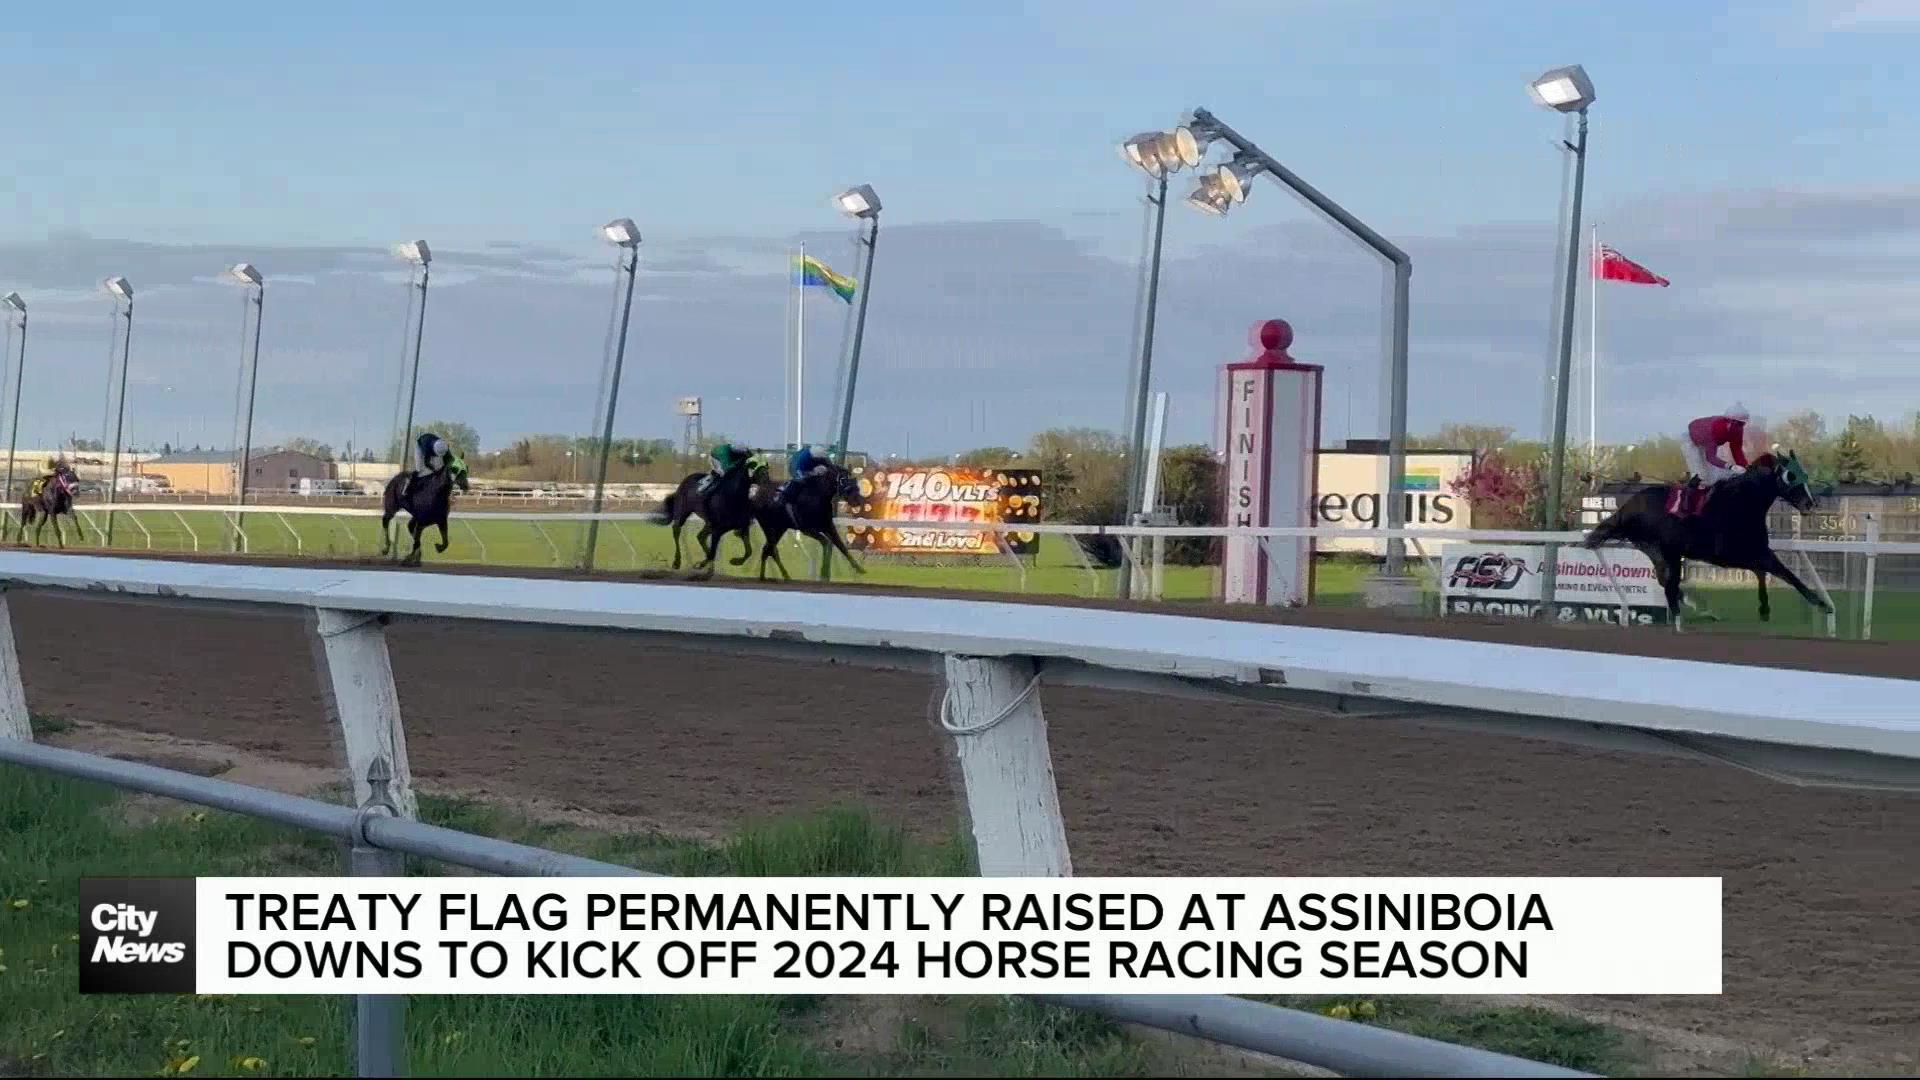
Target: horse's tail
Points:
(667, 504)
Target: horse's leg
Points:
(1670, 580)
(1771, 564)
(1766, 613)
(443, 535)
(386, 529)
(678, 521)
(746, 544)
(416, 530)
(710, 545)
(60, 537)
(842, 545)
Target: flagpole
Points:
(1593, 351)
(786, 357)
(800, 353)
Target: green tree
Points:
(1850, 464)
(1190, 486)
(460, 436)
(304, 445)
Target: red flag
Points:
(1613, 266)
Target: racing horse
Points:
(808, 509)
(427, 505)
(47, 499)
(1730, 530)
(727, 507)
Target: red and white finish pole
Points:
(1269, 432)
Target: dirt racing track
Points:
(1822, 887)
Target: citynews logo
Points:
(136, 935)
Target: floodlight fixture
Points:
(621, 232)
(1235, 179)
(1142, 151)
(1207, 197)
(12, 300)
(1190, 143)
(244, 274)
(1566, 89)
(118, 286)
(414, 251)
(860, 202)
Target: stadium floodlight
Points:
(859, 202)
(414, 251)
(417, 253)
(18, 363)
(1214, 195)
(1565, 89)
(123, 291)
(245, 275)
(621, 232)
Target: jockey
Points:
(802, 463)
(726, 458)
(430, 455)
(1700, 448)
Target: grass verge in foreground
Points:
(54, 831)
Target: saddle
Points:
(1685, 501)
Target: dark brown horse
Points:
(48, 498)
(807, 508)
(1730, 531)
(728, 506)
(427, 505)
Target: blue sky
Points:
(991, 127)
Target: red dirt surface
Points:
(1822, 924)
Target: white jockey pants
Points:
(1698, 465)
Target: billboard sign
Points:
(939, 494)
(1351, 495)
(1504, 579)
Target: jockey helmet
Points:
(1738, 412)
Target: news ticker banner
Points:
(503, 935)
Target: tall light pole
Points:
(244, 274)
(417, 253)
(1218, 191)
(1159, 154)
(123, 300)
(625, 235)
(18, 362)
(1565, 90)
(859, 202)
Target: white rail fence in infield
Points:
(1142, 548)
(1799, 726)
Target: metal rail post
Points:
(379, 1020)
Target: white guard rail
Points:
(1504, 536)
